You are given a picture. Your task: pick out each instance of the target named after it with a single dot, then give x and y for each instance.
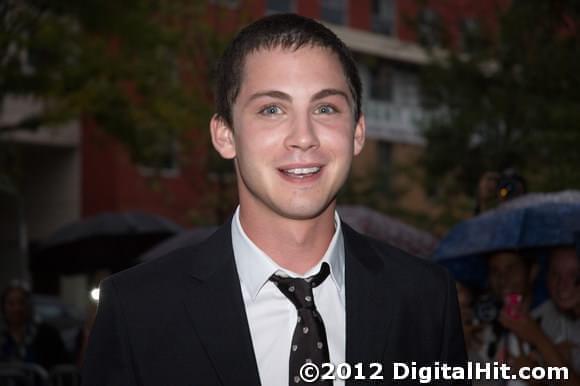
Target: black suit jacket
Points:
(180, 320)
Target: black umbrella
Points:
(186, 238)
(391, 230)
(106, 241)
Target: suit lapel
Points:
(214, 302)
(213, 299)
(368, 306)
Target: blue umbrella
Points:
(532, 221)
(528, 223)
(577, 239)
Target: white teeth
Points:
(302, 171)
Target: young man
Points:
(285, 282)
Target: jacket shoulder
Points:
(396, 263)
(195, 259)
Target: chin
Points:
(565, 305)
(306, 211)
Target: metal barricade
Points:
(65, 375)
(10, 376)
(23, 374)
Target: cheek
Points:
(339, 141)
(253, 146)
(567, 283)
(261, 133)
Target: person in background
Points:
(523, 342)
(487, 336)
(558, 319)
(511, 279)
(82, 338)
(23, 340)
(471, 327)
(475, 331)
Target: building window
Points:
(381, 85)
(383, 17)
(429, 28)
(470, 38)
(280, 6)
(407, 85)
(333, 11)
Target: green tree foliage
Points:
(509, 96)
(138, 69)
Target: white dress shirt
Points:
(272, 317)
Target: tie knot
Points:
(299, 291)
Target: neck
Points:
(296, 245)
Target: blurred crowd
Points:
(505, 323)
(31, 348)
(22, 338)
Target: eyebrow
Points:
(272, 94)
(286, 97)
(329, 92)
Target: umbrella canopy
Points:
(109, 240)
(388, 229)
(531, 221)
(577, 239)
(183, 239)
(533, 199)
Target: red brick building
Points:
(95, 174)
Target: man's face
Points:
(562, 275)
(293, 135)
(16, 308)
(508, 273)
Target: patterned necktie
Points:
(309, 342)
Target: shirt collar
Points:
(255, 267)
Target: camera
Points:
(510, 185)
(486, 308)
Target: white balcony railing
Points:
(393, 122)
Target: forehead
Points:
(15, 294)
(289, 66)
(504, 259)
(564, 258)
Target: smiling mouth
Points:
(301, 172)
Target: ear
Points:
(359, 135)
(222, 137)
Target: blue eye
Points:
(325, 109)
(271, 110)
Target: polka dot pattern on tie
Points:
(309, 338)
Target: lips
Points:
(301, 172)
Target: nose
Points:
(302, 134)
